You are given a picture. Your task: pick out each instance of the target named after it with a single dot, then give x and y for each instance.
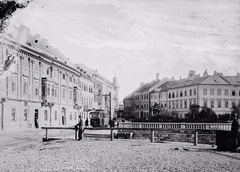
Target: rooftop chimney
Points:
(157, 76)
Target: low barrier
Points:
(201, 126)
(195, 127)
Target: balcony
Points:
(49, 92)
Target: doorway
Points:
(36, 118)
(63, 116)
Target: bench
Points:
(58, 128)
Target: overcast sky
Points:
(139, 38)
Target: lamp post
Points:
(109, 103)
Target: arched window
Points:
(45, 115)
(13, 114)
(55, 115)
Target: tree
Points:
(194, 111)
(236, 109)
(7, 8)
(207, 115)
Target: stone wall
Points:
(204, 137)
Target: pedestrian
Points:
(234, 133)
(80, 128)
(86, 122)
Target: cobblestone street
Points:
(24, 151)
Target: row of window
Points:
(219, 92)
(25, 114)
(141, 97)
(143, 106)
(192, 92)
(56, 116)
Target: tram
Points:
(99, 118)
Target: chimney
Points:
(157, 76)
(141, 84)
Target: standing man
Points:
(234, 132)
(80, 128)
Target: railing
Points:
(199, 126)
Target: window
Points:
(55, 115)
(204, 102)
(233, 103)
(195, 91)
(63, 92)
(169, 105)
(226, 92)
(70, 94)
(25, 114)
(226, 103)
(14, 83)
(13, 114)
(48, 89)
(169, 95)
(36, 88)
(70, 115)
(36, 66)
(53, 90)
(212, 103)
(233, 92)
(181, 104)
(25, 87)
(177, 104)
(181, 94)
(190, 92)
(204, 91)
(219, 103)
(45, 115)
(48, 71)
(70, 79)
(219, 91)
(177, 94)
(173, 95)
(63, 76)
(173, 104)
(185, 92)
(211, 91)
(185, 103)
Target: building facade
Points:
(39, 86)
(216, 91)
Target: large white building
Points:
(39, 86)
(216, 91)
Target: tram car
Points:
(99, 119)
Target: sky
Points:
(139, 38)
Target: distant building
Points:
(216, 91)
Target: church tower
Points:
(116, 89)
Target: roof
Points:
(92, 72)
(234, 80)
(23, 37)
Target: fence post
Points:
(152, 135)
(111, 134)
(46, 134)
(195, 138)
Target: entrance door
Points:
(63, 116)
(36, 118)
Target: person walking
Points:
(234, 133)
(80, 128)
